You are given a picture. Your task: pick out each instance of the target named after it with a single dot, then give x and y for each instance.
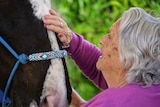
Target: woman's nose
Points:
(103, 39)
(100, 41)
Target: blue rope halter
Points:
(23, 58)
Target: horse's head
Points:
(22, 28)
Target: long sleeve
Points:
(86, 56)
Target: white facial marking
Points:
(55, 78)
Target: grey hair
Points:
(139, 47)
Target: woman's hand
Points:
(77, 101)
(56, 24)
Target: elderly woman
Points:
(127, 67)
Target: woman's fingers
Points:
(51, 20)
(55, 23)
(52, 12)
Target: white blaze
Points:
(55, 78)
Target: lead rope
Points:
(23, 58)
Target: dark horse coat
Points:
(21, 26)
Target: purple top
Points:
(85, 56)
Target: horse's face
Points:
(24, 31)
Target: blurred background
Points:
(92, 19)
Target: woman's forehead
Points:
(116, 24)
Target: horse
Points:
(22, 28)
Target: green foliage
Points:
(92, 19)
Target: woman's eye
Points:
(109, 36)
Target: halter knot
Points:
(23, 58)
